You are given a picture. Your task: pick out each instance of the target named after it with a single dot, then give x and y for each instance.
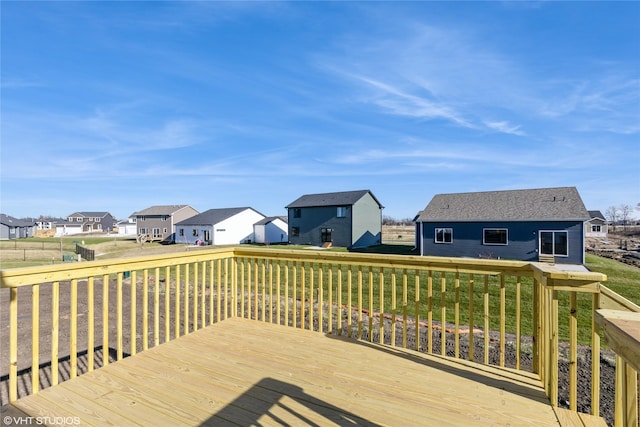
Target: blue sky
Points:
(117, 106)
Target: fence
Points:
(85, 253)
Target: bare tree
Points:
(625, 213)
(612, 215)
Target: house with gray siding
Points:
(93, 222)
(597, 225)
(14, 228)
(225, 226)
(158, 223)
(527, 225)
(351, 219)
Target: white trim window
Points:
(495, 236)
(444, 235)
(341, 212)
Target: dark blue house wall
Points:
(523, 240)
(313, 219)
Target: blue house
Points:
(13, 228)
(528, 225)
(351, 219)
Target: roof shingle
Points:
(561, 203)
(343, 198)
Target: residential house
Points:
(92, 222)
(46, 226)
(219, 227)
(349, 219)
(528, 225)
(68, 228)
(127, 227)
(271, 230)
(597, 225)
(14, 228)
(159, 222)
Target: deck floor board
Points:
(243, 372)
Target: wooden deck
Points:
(243, 372)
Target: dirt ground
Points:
(622, 244)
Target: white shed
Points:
(271, 230)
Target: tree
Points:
(625, 213)
(612, 215)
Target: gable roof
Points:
(13, 222)
(596, 214)
(270, 219)
(214, 216)
(343, 198)
(90, 214)
(562, 203)
(160, 210)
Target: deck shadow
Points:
(272, 401)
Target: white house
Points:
(225, 226)
(128, 227)
(67, 228)
(271, 230)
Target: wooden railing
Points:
(482, 310)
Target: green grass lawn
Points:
(621, 278)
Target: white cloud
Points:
(505, 127)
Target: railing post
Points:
(13, 345)
(234, 286)
(595, 358)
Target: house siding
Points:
(272, 232)
(233, 230)
(237, 229)
(367, 230)
(523, 240)
(7, 232)
(164, 222)
(313, 219)
(604, 231)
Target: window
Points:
(143, 231)
(297, 212)
(341, 212)
(295, 231)
(194, 233)
(444, 235)
(156, 232)
(495, 236)
(554, 243)
(90, 219)
(325, 235)
(164, 230)
(596, 228)
(181, 232)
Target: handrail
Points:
(367, 296)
